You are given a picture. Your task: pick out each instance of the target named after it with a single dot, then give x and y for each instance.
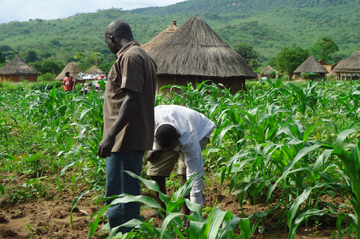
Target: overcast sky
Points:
(23, 10)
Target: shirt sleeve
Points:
(132, 72)
(194, 164)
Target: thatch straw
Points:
(350, 64)
(72, 67)
(195, 49)
(18, 67)
(94, 70)
(311, 65)
(322, 62)
(168, 32)
(268, 70)
(332, 73)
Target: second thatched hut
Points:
(163, 36)
(311, 65)
(195, 53)
(17, 71)
(94, 70)
(349, 68)
(71, 67)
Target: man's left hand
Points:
(105, 147)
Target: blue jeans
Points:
(118, 182)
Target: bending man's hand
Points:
(105, 147)
(153, 155)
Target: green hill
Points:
(268, 25)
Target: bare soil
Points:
(49, 216)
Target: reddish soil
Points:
(49, 216)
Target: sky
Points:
(23, 10)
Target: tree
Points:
(96, 56)
(31, 56)
(288, 59)
(248, 53)
(323, 48)
(2, 58)
(47, 66)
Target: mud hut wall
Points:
(18, 78)
(349, 76)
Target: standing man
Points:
(128, 119)
(181, 134)
(68, 81)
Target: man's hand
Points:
(105, 147)
(153, 155)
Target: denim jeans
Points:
(118, 182)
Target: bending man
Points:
(181, 134)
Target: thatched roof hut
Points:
(311, 65)
(268, 72)
(17, 70)
(349, 68)
(72, 67)
(168, 32)
(195, 53)
(94, 70)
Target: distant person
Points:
(181, 134)
(128, 119)
(68, 82)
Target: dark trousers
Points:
(118, 182)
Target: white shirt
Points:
(193, 127)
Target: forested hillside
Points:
(268, 25)
(240, 6)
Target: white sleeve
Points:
(194, 164)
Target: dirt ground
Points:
(49, 216)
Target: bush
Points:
(25, 85)
(46, 77)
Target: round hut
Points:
(268, 72)
(168, 32)
(72, 67)
(349, 68)
(17, 70)
(94, 70)
(195, 53)
(311, 65)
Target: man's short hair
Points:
(165, 135)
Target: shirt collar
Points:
(127, 47)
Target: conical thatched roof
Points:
(18, 67)
(311, 65)
(72, 67)
(195, 49)
(268, 70)
(322, 62)
(168, 32)
(350, 64)
(94, 70)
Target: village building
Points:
(168, 32)
(71, 67)
(311, 65)
(17, 71)
(328, 67)
(349, 68)
(195, 53)
(94, 70)
(268, 72)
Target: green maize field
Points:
(288, 151)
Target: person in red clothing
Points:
(68, 81)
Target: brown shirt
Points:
(133, 70)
